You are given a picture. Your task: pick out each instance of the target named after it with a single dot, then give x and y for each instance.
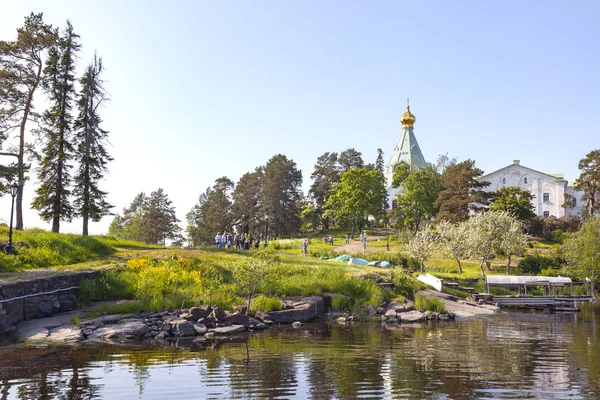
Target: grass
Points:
(424, 304)
(37, 249)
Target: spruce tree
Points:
(52, 196)
(90, 148)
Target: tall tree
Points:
(360, 193)
(461, 192)
(454, 240)
(415, 202)
(422, 245)
(149, 219)
(281, 195)
(247, 213)
(589, 181)
(349, 159)
(380, 163)
(90, 148)
(325, 175)
(21, 67)
(212, 214)
(515, 201)
(52, 196)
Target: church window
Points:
(504, 181)
(525, 180)
(574, 204)
(546, 196)
(546, 214)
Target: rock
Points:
(341, 320)
(200, 312)
(380, 310)
(262, 316)
(182, 327)
(413, 316)
(200, 329)
(443, 317)
(166, 326)
(127, 329)
(56, 305)
(65, 333)
(227, 330)
(371, 311)
(46, 308)
(352, 318)
(260, 326)
(209, 335)
(433, 316)
(160, 335)
(237, 319)
(297, 324)
(304, 309)
(219, 313)
(391, 314)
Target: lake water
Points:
(508, 356)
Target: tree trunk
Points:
(481, 267)
(21, 156)
(353, 226)
(508, 264)
(488, 265)
(460, 271)
(422, 265)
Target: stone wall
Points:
(37, 298)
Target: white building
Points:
(407, 149)
(549, 190)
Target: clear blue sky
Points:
(205, 89)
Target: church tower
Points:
(407, 149)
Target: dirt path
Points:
(356, 247)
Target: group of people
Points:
(328, 239)
(244, 241)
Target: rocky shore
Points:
(208, 322)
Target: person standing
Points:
(347, 238)
(218, 240)
(304, 247)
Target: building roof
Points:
(510, 280)
(558, 177)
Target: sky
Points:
(204, 89)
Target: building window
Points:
(546, 214)
(525, 180)
(504, 181)
(546, 196)
(574, 203)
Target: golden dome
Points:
(408, 119)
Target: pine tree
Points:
(589, 181)
(52, 196)
(325, 175)
(21, 67)
(380, 163)
(90, 149)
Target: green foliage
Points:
(149, 219)
(90, 148)
(424, 304)
(582, 250)
(341, 303)
(461, 192)
(415, 203)
(265, 303)
(589, 181)
(515, 201)
(52, 196)
(325, 175)
(405, 285)
(75, 321)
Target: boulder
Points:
(341, 320)
(228, 330)
(237, 319)
(182, 327)
(200, 312)
(413, 316)
(126, 329)
(200, 329)
(303, 309)
(65, 333)
(219, 313)
(297, 324)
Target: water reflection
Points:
(514, 355)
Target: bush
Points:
(457, 293)
(425, 304)
(405, 285)
(266, 304)
(340, 303)
(534, 264)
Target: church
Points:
(553, 195)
